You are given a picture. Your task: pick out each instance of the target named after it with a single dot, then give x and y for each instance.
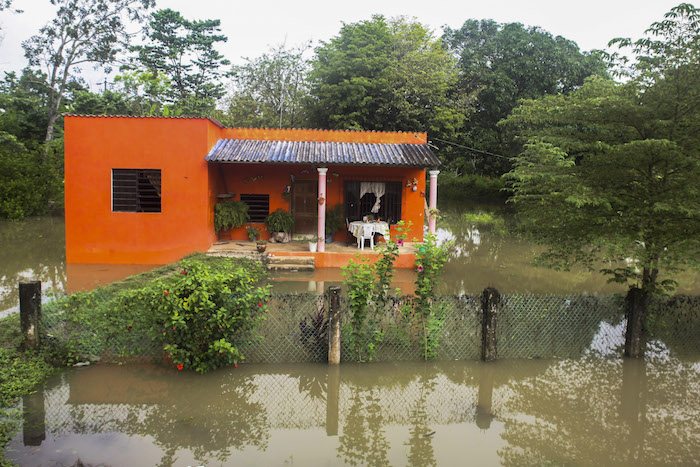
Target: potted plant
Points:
(230, 215)
(254, 232)
(313, 243)
(280, 224)
(334, 220)
(261, 245)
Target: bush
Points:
(280, 221)
(452, 186)
(203, 316)
(230, 215)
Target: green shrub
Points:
(280, 221)
(334, 219)
(203, 316)
(454, 187)
(230, 215)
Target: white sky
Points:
(252, 26)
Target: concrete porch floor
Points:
(337, 254)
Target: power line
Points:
(471, 149)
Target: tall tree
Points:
(184, 52)
(503, 63)
(612, 171)
(269, 90)
(84, 31)
(385, 75)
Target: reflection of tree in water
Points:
(210, 417)
(32, 249)
(363, 441)
(604, 412)
(421, 452)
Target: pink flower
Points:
(400, 242)
(235, 365)
(180, 366)
(420, 268)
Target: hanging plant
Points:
(230, 215)
(321, 200)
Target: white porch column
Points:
(322, 209)
(433, 199)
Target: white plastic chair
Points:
(366, 233)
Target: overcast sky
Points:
(253, 26)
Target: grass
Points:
(20, 373)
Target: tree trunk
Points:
(637, 306)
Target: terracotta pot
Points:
(261, 248)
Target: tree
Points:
(503, 63)
(23, 111)
(84, 31)
(269, 91)
(184, 52)
(385, 75)
(612, 171)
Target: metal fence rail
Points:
(295, 328)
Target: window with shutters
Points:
(258, 206)
(136, 190)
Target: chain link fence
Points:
(295, 328)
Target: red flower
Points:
(128, 328)
(235, 365)
(219, 326)
(166, 292)
(259, 303)
(173, 329)
(219, 351)
(180, 366)
(183, 272)
(169, 356)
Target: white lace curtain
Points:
(378, 188)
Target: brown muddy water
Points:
(34, 249)
(517, 412)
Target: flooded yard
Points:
(35, 249)
(589, 411)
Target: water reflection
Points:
(590, 411)
(32, 249)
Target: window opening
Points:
(258, 206)
(136, 190)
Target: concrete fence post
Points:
(490, 304)
(30, 312)
(334, 326)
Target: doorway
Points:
(305, 206)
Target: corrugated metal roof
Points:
(321, 152)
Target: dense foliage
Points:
(200, 317)
(502, 64)
(230, 215)
(384, 75)
(611, 171)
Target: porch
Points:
(336, 254)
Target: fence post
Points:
(30, 312)
(334, 326)
(490, 302)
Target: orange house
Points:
(142, 190)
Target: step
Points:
(308, 260)
(290, 267)
(235, 254)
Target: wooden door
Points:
(305, 206)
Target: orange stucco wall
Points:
(96, 145)
(189, 185)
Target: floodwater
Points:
(34, 249)
(511, 412)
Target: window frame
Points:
(147, 196)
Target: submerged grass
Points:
(20, 372)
